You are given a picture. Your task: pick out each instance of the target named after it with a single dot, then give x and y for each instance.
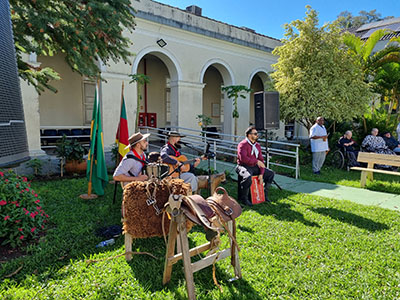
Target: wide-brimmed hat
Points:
(175, 134)
(136, 138)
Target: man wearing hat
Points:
(172, 149)
(130, 167)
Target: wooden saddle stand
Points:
(216, 214)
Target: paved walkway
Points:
(328, 190)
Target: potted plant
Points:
(71, 154)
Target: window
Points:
(89, 88)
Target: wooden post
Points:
(235, 255)
(187, 264)
(170, 250)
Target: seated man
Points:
(375, 143)
(251, 162)
(172, 149)
(391, 142)
(346, 142)
(131, 166)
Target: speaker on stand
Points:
(266, 114)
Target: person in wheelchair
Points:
(347, 145)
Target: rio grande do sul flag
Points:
(122, 131)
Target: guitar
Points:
(185, 165)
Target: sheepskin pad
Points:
(140, 220)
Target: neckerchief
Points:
(254, 149)
(177, 153)
(138, 156)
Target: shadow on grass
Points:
(351, 219)
(149, 273)
(281, 210)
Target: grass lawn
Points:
(298, 247)
(381, 183)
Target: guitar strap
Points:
(130, 156)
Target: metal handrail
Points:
(228, 145)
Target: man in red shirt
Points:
(251, 163)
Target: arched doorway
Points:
(257, 84)
(159, 98)
(156, 95)
(214, 75)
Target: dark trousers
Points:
(244, 185)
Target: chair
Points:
(62, 132)
(47, 136)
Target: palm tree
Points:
(363, 49)
(141, 80)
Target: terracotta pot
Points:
(74, 166)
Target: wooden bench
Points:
(373, 158)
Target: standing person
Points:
(131, 166)
(171, 148)
(251, 162)
(398, 132)
(319, 144)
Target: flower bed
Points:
(21, 210)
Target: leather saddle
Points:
(211, 212)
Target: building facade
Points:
(187, 57)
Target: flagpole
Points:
(89, 194)
(118, 156)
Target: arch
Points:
(165, 56)
(262, 72)
(224, 69)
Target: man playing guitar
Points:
(170, 150)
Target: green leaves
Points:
(315, 76)
(85, 31)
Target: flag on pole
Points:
(96, 171)
(122, 131)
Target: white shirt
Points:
(398, 132)
(318, 145)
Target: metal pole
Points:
(215, 155)
(297, 163)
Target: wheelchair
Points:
(340, 159)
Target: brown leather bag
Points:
(225, 206)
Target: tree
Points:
(85, 31)
(347, 20)
(316, 76)
(380, 68)
(141, 80)
(234, 92)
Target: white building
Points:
(199, 56)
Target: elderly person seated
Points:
(375, 143)
(391, 142)
(347, 143)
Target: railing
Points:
(226, 145)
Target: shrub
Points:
(20, 210)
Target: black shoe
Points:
(317, 173)
(248, 203)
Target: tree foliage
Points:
(347, 20)
(234, 92)
(85, 31)
(316, 76)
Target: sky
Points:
(268, 17)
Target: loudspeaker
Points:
(266, 110)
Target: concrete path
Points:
(328, 190)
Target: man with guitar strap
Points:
(170, 155)
(130, 167)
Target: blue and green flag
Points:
(96, 171)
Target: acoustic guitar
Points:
(185, 165)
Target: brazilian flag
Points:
(96, 171)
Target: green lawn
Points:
(381, 183)
(298, 247)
